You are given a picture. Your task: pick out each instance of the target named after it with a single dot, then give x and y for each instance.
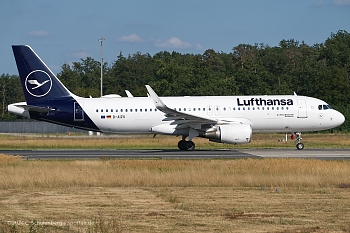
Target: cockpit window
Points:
(324, 107)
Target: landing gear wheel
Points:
(300, 146)
(182, 144)
(190, 145)
(186, 145)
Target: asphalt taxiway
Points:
(328, 154)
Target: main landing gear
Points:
(186, 145)
(299, 145)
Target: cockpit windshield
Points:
(324, 107)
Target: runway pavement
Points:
(328, 154)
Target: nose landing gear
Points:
(299, 145)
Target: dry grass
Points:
(175, 209)
(171, 173)
(163, 142)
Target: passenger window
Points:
(121, 110)
(319, 107)
(262, 108)
(140, 109)
(180, 109)
(272, 108)
(239, 108)
(150, 109)
(203, 109)
(248, 108)
(111, 110)
(126, 110)
(130, 110)
(224, 109)
(185, 109)
(194, 109)
(145, 109)
(101, 110)
(96, 110)
(116, 110)
(106, 110)
(267, 108)
(135, 109)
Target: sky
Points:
(67, 31)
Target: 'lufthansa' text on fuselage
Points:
(264, 102)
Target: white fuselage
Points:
(287, 113)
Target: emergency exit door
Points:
(302, 110)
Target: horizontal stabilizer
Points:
(34, 108)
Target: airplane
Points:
(222, 119)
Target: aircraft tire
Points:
(190, 145)
(182, 144)
(186, 145)
(300, 146)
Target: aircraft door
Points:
(78, 112)
(302, 111)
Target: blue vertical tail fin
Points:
(38, 81)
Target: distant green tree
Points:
(130, 73)
(83, 78)
(10, 92)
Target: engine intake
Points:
(232, 134)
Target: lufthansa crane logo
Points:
(38, 83)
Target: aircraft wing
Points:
(180, 117)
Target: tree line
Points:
(320, 70)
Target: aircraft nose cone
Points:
(341, 119)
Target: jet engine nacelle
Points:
(232, 134)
